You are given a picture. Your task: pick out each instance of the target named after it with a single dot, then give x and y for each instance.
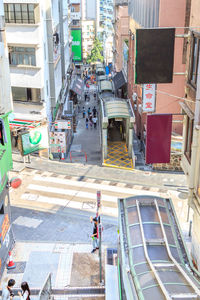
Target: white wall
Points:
(58, 79)
(23, 34)
(55, 12)
(91, 9)
(26, 77)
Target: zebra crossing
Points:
(79, 193)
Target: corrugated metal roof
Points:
(117, 109)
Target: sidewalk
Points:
(72, 265)
(165, 180)
(86, 141)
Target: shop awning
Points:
(24, 123)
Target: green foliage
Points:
(96, 52)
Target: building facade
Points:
(88, 36)
(38, 63)
(121, 38)
(153, 15)
(6, 236)
(191, 126)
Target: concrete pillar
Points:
(105, 143)
(61, 39)
(130, 143)
(49, 30)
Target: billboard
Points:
(158, 139)
(76, 35)
(34, 140)
(154, 55)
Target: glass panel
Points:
(31, 17)
(19, 49)
(31, 8)
(21, 58)
(10, 7)
(19, 93)
(11, 17)
(24, 7)
(26, 59)
(25, 16)
(18, 17)
(33, 62)
(193, 71)
(17, 7)
(14, 59)
(30, 50)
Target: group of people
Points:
(7, 293)
(91, 118)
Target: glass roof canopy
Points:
(153, 249)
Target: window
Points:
(26, 94)
(22, 56)
(189, 136)
(19, 13)
(195, 51)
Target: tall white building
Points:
(39, 56)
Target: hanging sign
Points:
(148, 97)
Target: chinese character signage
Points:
(148, 97)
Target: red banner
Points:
(158, 138)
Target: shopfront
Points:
(6, 235)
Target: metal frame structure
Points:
(154, 260)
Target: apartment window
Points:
(22, 56)
(19, 13)
(26, 94)
(189, 136)
(195, 51)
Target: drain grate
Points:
(20, 268)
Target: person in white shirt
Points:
(7, 293)
(25, 295)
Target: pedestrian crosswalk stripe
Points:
(97, 186)
(86, 206)
(75, 193)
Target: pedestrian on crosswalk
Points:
(86, 123)
(94, 236)
(83, 112)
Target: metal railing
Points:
(46, 290)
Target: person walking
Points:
(89, 111)
(94, 120)
(7, 293)
(85, 96)
(94, 236)
(25, 294)
(86, 123)
(94, 111)
(83, 112)
(90, 120)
